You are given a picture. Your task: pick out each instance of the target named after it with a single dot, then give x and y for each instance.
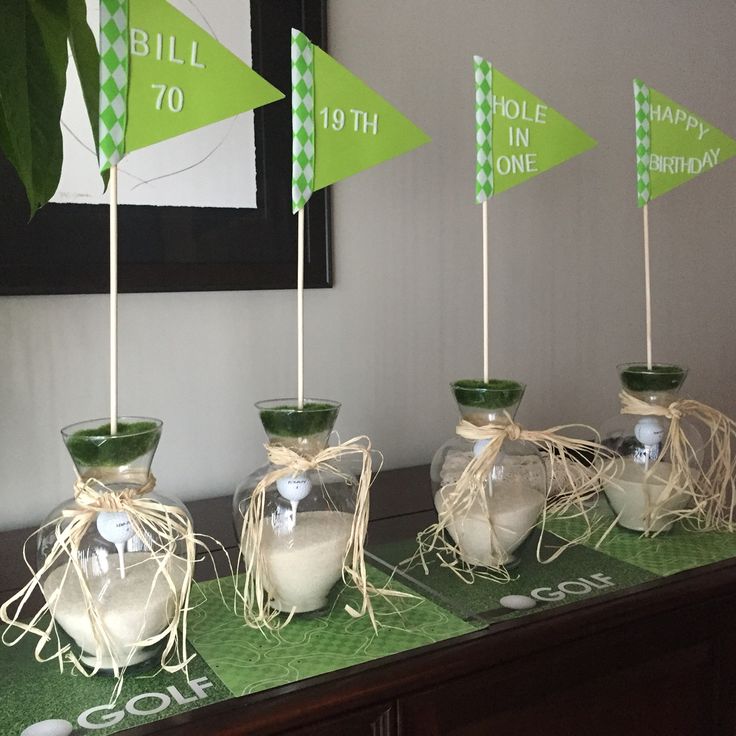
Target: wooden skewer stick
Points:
(648, 288)
(300, 308)
(113, 299)
(485, 293)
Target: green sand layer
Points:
(497, 393)
(656, 378)
(291, 421)
(97, 447)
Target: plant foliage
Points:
(35, 38)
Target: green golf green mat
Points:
(233, 660)
(248, 661)
(613, 559)
(666, 554)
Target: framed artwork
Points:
(192, 236)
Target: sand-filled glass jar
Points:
(638, 491)
(112, 580)
(304, 524)
(495, 517)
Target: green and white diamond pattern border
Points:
(483, 129)
(302, 119)
(113, 80)
(643, 141)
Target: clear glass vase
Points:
(307, 517)
(635, 489)
(515, 488)
(122, 571)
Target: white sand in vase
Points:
(303, 564)
(132, 609)
(634, 497)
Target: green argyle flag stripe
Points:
(113, 80)
(483, 129)
(642, 108)
(302, 119)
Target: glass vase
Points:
(635, 489)
(514, 489)
(111, 586)
(307, 517)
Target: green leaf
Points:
(6, 142)
(33, 61)
(87, 61)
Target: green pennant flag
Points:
(673, 144)
(340, 125)
(162, 75)
(518, 136)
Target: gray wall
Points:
(404, 318)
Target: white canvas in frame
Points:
(210, 167)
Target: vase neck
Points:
(118, 461)
(306, 445)
(481, 416)
(116, 480)
(489, 401)
(304, 428)
(655, 398)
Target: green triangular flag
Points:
(518, 136)
(673, 144)
(341, 126)
(162, 75)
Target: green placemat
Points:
(666, 554)
(248, 661)
(579, 573)
(233, 660)
(33, 692)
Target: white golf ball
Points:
(294, 488)
(479, 446)
(649, 431)
(114, 526)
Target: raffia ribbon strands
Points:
(710, 485)
(162, 527)
(574, 483)
(257, 611)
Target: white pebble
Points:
(53, 727)
(518, 602)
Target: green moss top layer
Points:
(498, 393)
(657, 378)
(97, 447)
(291, 421)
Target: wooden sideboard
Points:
(658, 660)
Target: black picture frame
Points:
(64, 249)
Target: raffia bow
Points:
(257, 611)
(160, 526)
(711, 484)
(574, 481)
